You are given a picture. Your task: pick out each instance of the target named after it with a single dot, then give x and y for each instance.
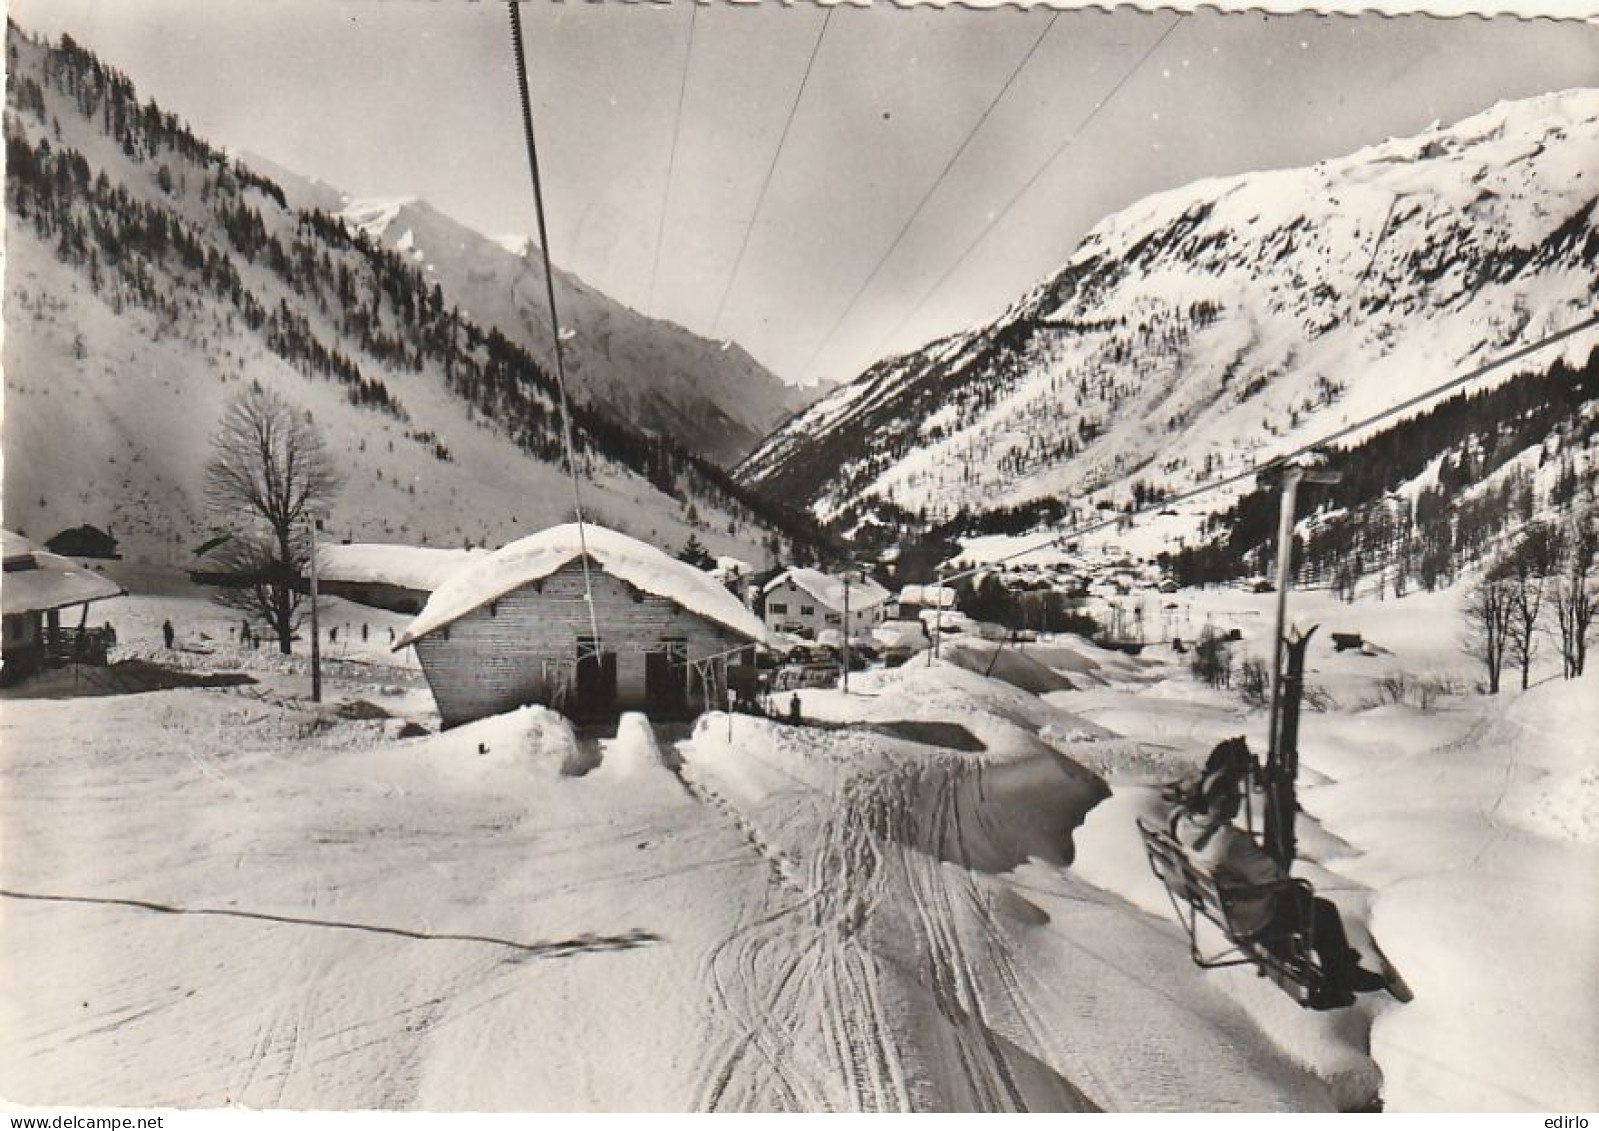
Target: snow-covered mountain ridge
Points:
(712, 397)
(1208, 327)
(149, 277)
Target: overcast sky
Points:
(420, 99)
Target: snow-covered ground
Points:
(930, 898)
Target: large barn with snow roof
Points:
(514, 628)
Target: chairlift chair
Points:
(1286, 956)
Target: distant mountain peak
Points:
(1204, 328)
(517, 243)
(373, 215)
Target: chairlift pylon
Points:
(1285, 955)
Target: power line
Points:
(721, 306)
(1255, 469)
(1031, 181)
(671, 161)
(549, 287)
(849, 306)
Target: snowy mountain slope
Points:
(149, 277)
(711, 396)
(84, 441)
(1208, 327)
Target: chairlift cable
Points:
(766, 184)
(932, 190)
(555, 325)
(1098, 108)
(671, 161)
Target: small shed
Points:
(36, 586)
(514, 628)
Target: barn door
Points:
(595, 694)
(666, 677)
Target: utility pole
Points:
(1282, 763)
(844, 683)
(316, 631)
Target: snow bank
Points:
(900, 634)
(754, 759)
(1110, 853)
(530, 741)
(1009, 665)
(1476, 835)
(1505, 978)
(539, 555)
(1007, 719)
(1563, 719)
(634, 758)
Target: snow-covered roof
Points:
(928, 595)
(901, 634)
(411, 567)
(37, 581)
(539, 555)
(15, 547)
(829, 590)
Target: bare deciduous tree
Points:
(1572, 593)
(1527, 572)
(268, 464)
(1487, 611)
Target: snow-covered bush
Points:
(1212, 659)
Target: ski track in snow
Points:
(888, 909)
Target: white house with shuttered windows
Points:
(807, 602)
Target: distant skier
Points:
(363, 632)
(168, 633)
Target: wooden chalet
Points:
(36, 587)
(514, 628)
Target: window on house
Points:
(807, 610)
(832, 618)
(777, 607)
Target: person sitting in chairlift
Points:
(1204, 827)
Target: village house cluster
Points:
(592, 622)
